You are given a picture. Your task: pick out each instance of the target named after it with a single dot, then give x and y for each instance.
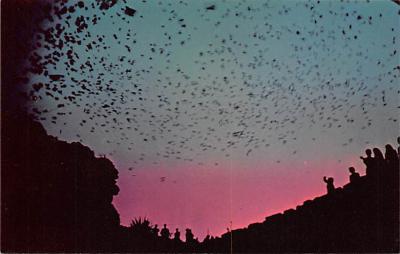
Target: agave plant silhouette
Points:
(140, 225)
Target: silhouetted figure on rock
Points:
(165, 234)
(189, 236)
(177, 235)
(329, 185)
(378, 157)
(369, 162)
(391, 157)
(379, 160)
(206, 239)
(156, 230)
(354, 176)
(398, 147)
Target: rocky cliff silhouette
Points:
(56, 196)
(362, 216)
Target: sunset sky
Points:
(223, 111)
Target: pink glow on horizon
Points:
(207, 199)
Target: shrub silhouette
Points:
(140, 226)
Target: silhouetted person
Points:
(177, 235)
(398, 147)
(354, 176)
(329, 184)
(189, 236)
(156, 230)
(165, 234)
(369, 162)
(391, 157)
(379, 160)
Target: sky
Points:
(220, 113)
